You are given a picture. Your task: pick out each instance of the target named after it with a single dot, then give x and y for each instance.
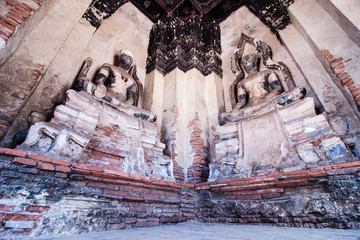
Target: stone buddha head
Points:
(250, 62)
(125, 59)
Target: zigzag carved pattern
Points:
(194, 43)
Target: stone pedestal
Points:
(285, 139)
(97, 133)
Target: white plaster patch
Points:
(20, 224)
(2, 43)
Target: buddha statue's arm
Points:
(275, 85)
(105, 71)
(103, 74)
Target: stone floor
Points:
(214, 231)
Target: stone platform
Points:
(216, 231)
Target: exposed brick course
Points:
(18, 13)
(12, 152)
(199, 170)
(25, 161)
(134, 201)
(160, 200)
(338, 68)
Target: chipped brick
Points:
(25, 161)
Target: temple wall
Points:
(26, 68)
(330, 55)
(187, 107)
(15, 19)
(308, 175)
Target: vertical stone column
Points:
(184, 88)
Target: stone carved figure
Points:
(117, 85)
(260, 90)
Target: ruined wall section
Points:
(30, 65)
(42, 196)
(319, 197)
(199, 169)
(45, 196)
(15, 16)
(328, 58)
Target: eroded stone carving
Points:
(103, 125)
(117, 85)
(270, 130)
(259, 91)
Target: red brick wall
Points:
(323, 197)
(338, 68)
(199, 170)
(18, 13)
(41, 195)
(120, 200)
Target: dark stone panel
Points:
(221, 11)
(150, 9)
(204, 6)
(194, 43)
(101, 9)
(169, 5)
(273, 13)
(185, 11)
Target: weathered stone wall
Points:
(40, 196)
(14, 15)
(32, 78)
(180, 99)
(327, 52)
(319, 197)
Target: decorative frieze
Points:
(193, 43)
(100, 10)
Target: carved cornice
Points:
(272, 13)
(194, 43)
(101, 9)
